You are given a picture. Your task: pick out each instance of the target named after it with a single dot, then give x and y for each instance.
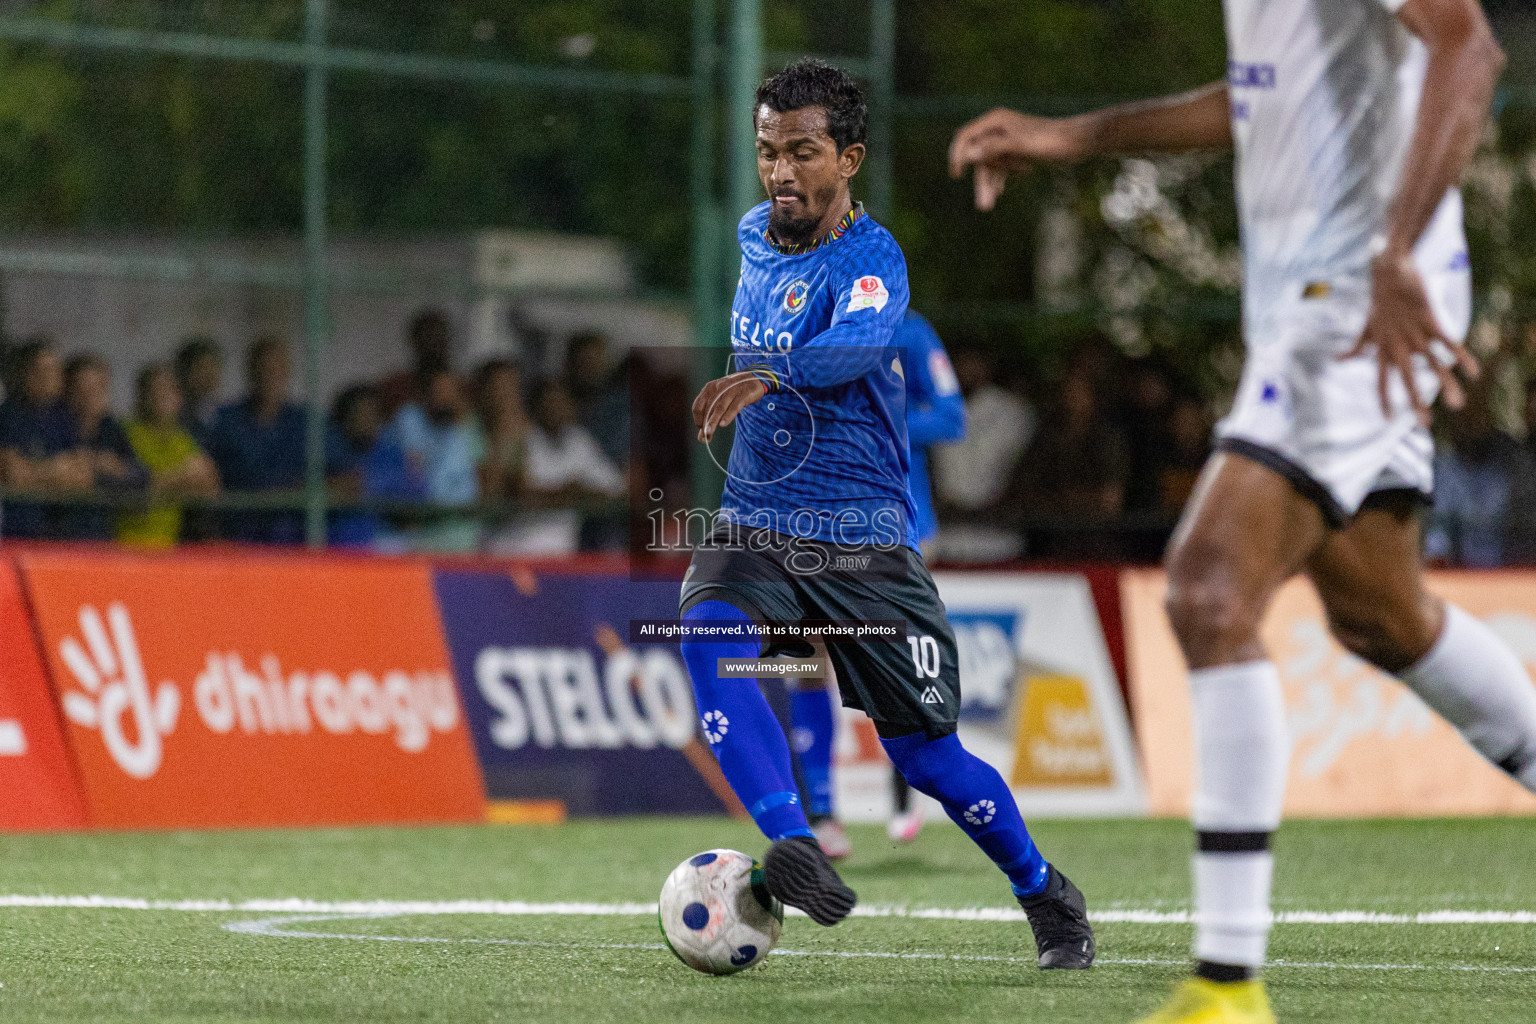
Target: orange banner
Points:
(253, 690)
(41, 791)
(1363, 744)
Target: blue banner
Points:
(563, 707)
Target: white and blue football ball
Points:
(716, 914)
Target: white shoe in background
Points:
(832, 838)
(903, 828)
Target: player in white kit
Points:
(1352, 121)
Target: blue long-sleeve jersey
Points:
(935, 411)
(824, 455)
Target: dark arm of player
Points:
(1002, 140)
(1464, 65)
(721, 400)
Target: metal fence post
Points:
(706, 263)
(746, 71)
(882, 88)
(316, 325)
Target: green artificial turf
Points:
(71, 964)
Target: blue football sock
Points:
(977, 799)
(742, 730)
(815, 730)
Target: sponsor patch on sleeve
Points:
(868, 292)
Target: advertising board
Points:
(1040, 700)
(562, 707)
(253, 690)
(1363, 744)
(41, 791)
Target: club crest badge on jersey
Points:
(868, 292)
(795, 296)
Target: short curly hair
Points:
(809, 82)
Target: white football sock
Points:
(1242, 754)
(1232, 907)
(1474, 680)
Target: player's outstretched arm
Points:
(1004, 140)
(1464, 66)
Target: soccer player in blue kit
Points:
(935, 412)
(816, 522)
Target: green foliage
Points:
(125, 142)
(110, 141)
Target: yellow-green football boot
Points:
(1200, 1001)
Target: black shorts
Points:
(905, 685)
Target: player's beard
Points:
(788, 230)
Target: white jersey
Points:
(1324, 98)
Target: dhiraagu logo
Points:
(114, 696)
(114, 688)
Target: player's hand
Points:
(721, 400)
(1402, 325)
(1003, 140)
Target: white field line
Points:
(519, 908)
(274, 927)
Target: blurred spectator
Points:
(1186, 447)
(504, 425)
(601, 392)
(100, 439)
(364, 461)
(1530, 416)
(200, 375)
(444, 448)
(564, 465)
(258, 445)
(37, 441)
(177, 467)
(970, 475)
(431, 341)
(1146, 416)
(661, 429)
(1094, 357)
(1485, 492)
(1075, 472)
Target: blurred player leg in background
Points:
(906, 815)
(815, 710)
(1372, 585)
(1246, 531)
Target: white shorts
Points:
(1316, 418)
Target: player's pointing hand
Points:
(1400, 326)
(1004, 140)
(721, 400)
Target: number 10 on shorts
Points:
(925, 656)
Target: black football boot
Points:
(799, 875)
(1058, 915)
